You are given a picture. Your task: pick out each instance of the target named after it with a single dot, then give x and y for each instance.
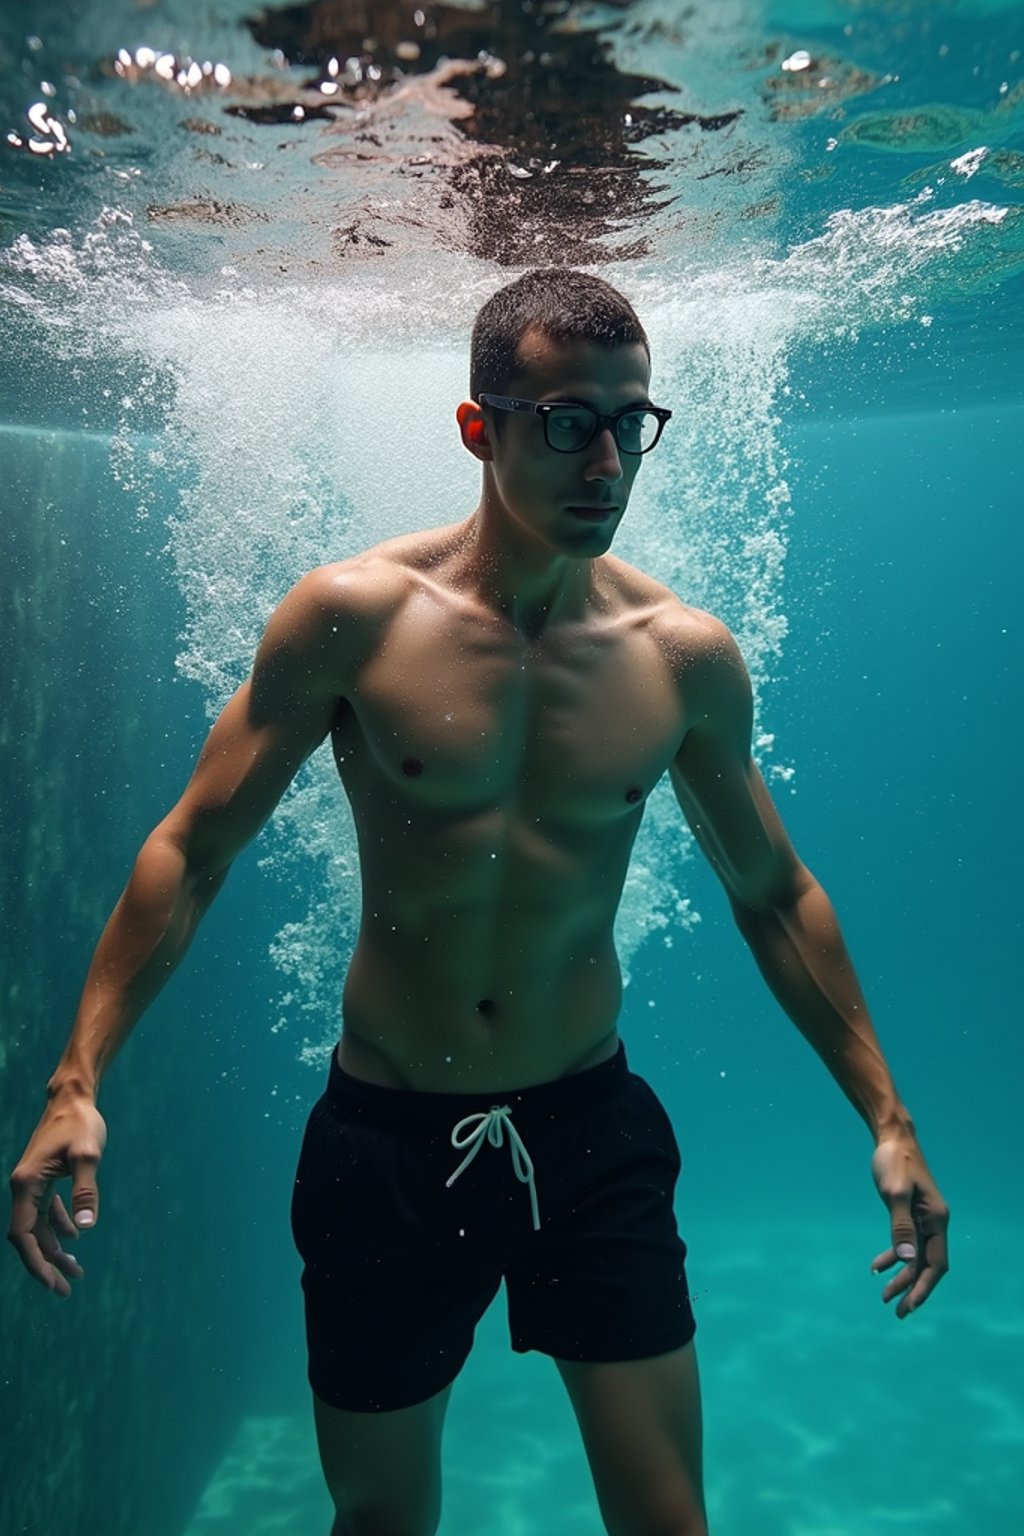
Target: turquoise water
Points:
(186, 410)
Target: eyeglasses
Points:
(568, 428)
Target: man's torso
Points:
(497, 782)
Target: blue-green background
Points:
(169, 1396)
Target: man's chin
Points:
(588, 538)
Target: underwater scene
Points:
(241, 252)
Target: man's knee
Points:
(383, 1470)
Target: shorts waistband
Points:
(471, 1119)
(409, 1110)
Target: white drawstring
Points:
(492, 1126)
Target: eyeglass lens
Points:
(571, 427)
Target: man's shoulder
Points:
(690, 634)
(372, 584)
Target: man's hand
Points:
(69, 1140)
(920, 1217)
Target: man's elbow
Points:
(769, 892)
(189, 854)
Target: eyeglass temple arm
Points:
(507, 403)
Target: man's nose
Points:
(603, 462)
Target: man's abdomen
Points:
(465, 1008)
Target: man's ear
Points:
(473, 429)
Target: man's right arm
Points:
(264, 734)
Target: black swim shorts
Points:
(409, 1208)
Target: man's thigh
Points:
(383, 1470)
(642, 1430)
(392, 1293)
(606, 1277)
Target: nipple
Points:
(634, 793)
(412, 767)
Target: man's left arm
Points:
(789, 924)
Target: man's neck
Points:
(530, 586)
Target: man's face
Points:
(571, 503)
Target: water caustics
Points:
(263, 235)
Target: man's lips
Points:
(591, 513)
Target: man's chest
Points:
(581, 725)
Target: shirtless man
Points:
(501, 696)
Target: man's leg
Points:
(383, 1470)
(641, 1427)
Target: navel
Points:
(634, 793)
(485, 1006)
(412, 767)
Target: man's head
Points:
(561, 478)
(561, 304)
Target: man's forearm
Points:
(801, 954)
(146, 936)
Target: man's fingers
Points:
(919, 1218)
(36, 1219)
(85, 1196)
(890, 1257)
(27, 1221)
(69, 1140)
(60, 1221)
(915, 1281)
(62, 1266)
(904, 1228)
(900, 1283)
(49, 1240)
(934, 1264)
(34, 1260)
(66, 1264)
(926, 1283)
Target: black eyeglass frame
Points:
(544, 409)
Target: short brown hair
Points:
(563, 303)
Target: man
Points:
(501, 696)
